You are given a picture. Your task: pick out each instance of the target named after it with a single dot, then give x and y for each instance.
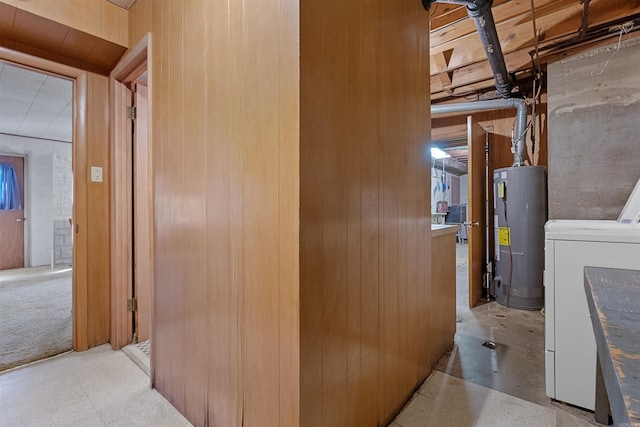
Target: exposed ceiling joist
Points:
(458, 62)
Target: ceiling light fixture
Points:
(437, 153)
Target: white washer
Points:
(570, 349)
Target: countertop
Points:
(612, 296)
(443, 229)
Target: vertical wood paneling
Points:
(365, 234)
(143, 214)
(357, 123)
(311, 236)
(98, 253)
(443, 277)
(289, 215)
(194, 193)
(121, 255)
(335, 107)
(223, 318)
(225, 125)
(80, 244)
(91, 293)
(370, 213)
(173, 168)
(363, 223)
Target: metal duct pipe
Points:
(496, 104)
(480, 11)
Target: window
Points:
(9, 189)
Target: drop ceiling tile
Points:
(32, 103)
(17, 106)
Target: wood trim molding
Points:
(80, 285)
(132, 65)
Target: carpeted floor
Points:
(35, 315)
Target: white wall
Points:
(436, 187)
(39, 191)
(464, 189)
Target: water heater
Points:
(520, 212)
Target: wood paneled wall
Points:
(261, 162)
(91, 302)
(91, 213)
(96, 17)
(224, 104)
(442, 298)
(365, 222)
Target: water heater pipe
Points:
(480, 11)
(519, 104)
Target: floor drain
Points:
(500, 316)
(489, 344)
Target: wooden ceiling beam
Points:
(447, 14)
(518, 10)
(563, 22)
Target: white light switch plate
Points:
(96, 174)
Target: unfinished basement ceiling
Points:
(459, 67)
(34, 104)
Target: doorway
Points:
(132, 202)
(459, 196)
(36, 192)
(12, 212)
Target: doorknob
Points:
(21, 219)
(474, 224)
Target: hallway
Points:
(472, 385)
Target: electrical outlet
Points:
(96, 174)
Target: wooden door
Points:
(476, 143)
(12, 223)
(121, 219)
(143, 219)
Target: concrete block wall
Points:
(62, 209)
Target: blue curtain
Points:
(9, 189)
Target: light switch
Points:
(96, 174)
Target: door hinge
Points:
(131, 113)
(132, 304)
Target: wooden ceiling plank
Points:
(449, 14)
(516, 9)
(560, 24)
(439, 62)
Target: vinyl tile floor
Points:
(98, 387)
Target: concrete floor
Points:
(513, 371)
